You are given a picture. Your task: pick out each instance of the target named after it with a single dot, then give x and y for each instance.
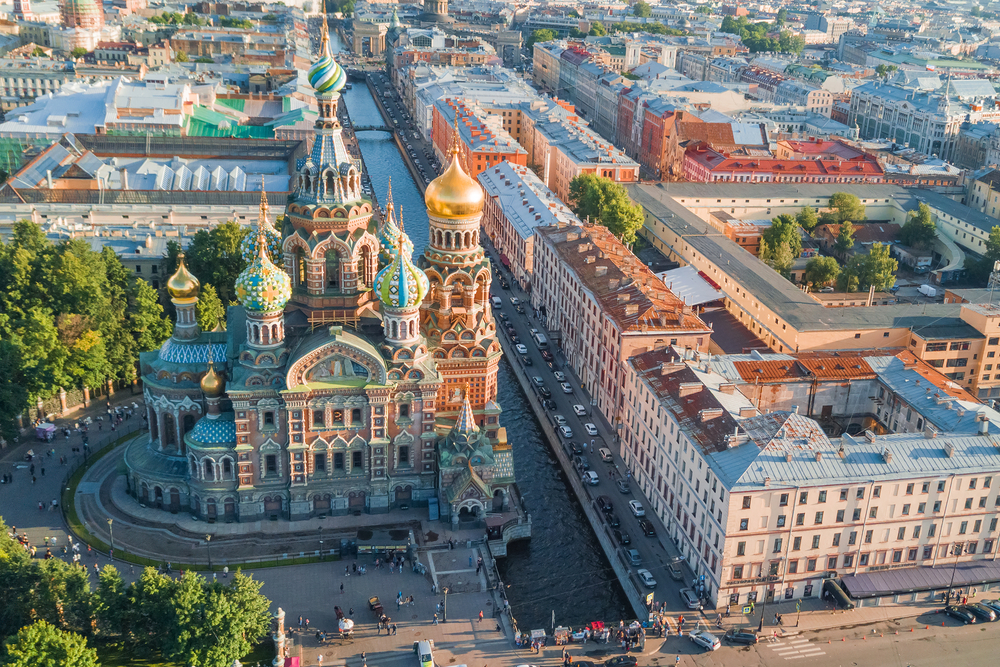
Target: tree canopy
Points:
(234, 22)
(605, 202)
(538, 36)
(919, 231)
(43, 644)
(844, 206)
(845, 237)
(642, 9)
(176, 18)
(210, 310)
(979, 270)
(654, 28)
(876, 267)
(778, 256)
(69, 317)
(821, 271)
(807, 218)
(213, 257)
(78, 52)
(755, 35)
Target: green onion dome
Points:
(402, 284)
(263, 287)
(325, 75)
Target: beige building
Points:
(765, 505)
(603, 305)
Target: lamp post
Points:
(957, 550)
(760, 626)
(112, 529)
(445, 604)
(208, 545)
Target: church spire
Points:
(466, 422)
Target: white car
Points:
(559, 420)
(579, 410)
(566, 431)
(590, 429)
(514, 301)
(521, 348)
(590, 477)
(567, 389)
(636, 508)
(705, 640)
(646, 577)
(539, 382)
(559, 376)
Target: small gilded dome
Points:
(263, 287)
(183, 284)
(212, 384)
(402, 284)
(454, 194)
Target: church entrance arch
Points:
(158, 497)
(229, 508)
(175, 500)
(404, 494)
(272, 505)
(356, 501)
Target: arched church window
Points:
(332, 270)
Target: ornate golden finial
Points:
(467, 390)
(263, 201)
(388, 197)
(401, 229)
(324, 44)
(453, 149)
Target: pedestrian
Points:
(351, 613)
(480, 615)
(43, 472)
(354, 566)
(364, 656)
(300, 621)
(347, 571)
(32, 469)
(776, 618)
(307, 624)
(342, 589)
(435, 619)
(33, 481)
(394, 628)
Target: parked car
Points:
(623, 486)
(636, 508)
(590, 477)
(605, 454)
(690, 598)
(521, 348)
(590, 429)
(581, 462)
(633, 556)
(559, 376)
(567, 389)
(546, 355)
(621, 538)
(674, 570)
(514, 300)
(705, 640)
(575, 447)
(525, 359)
(620, 661)
(740, 637)
(566, 431)
(579, 410)
(545, 393)
(646, 577)
(992, 604)
(548, 404)
(519, 308)
(559, 420)
(603, 503)
(647, 528)
(514, 338)
(960, 614)
(981, 612)
(538, 381)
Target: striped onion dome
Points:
(325, 75)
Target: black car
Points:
(603, 503)
(546, 355)
(613, 520)
(526, 360)
(553, 366)
(737, 637)
(549, 404)
(514, 338)
(622, 661)
(647, 528)
(623, 486)
(504, 316)
(575, 447)
(981, 613)
(544, 392)
(519, 308)
(621, 537)
(504, 284)
(581, 463)
(960, 614)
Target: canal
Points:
(562, 570)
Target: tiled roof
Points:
(190, 353)
(218, 431)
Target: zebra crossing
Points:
(795, 648)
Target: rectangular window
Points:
(831, 563)
(873, 513)
(931, 530)
(852, 537)
(357, 460)
(928, 552)
(848, 560)
(338, 461)
(815, 542)
(901, 533)
(796, 543)
(783, 500)
(968, 503)
(916, 532)
(963, 527)
(781, 521)
(271, 464)
(906, 509)
(803, 498)
(993, 524)
(811, 565)
(318, 417)
(777, 545)
(987, 481)
(840, 516)
(836, 540)
(819, 518)
(319, 462)
(822, 496)
(404, 456)
(925, 487)
(877, 492)
(741, 548)
(868, 536)
(937, 506)
(972, 483)
(800, 519)
(977, 526)
(793, 567)
(909, 489)
(737, 572)
(863, 561)
(843, 494)
(921, 508)
(744, 524)
(746, 502)
(861, 493)
(856, 515)
(940, 487)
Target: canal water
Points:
(562, 569)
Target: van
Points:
(540, 340)
(497, 303)
(605, 454)
(425, 652)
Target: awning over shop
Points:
(504, 260)
(913, 579)
(833, 590)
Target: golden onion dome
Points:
(212, 384)
(183, 284)
(454, 194)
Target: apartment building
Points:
(547, 62)
(704, 165)
(766, 505)
(603, 305)
(485, 142)
(518, 203)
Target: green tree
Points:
(919, 231)
(821, 271)
(43, 644)
(214, 257)
(78, 52)
(642, 9)
(704, 9)
(885, 70)
(181, 57)
(784, 230)
(807, 218)
(789, 43)
(597, 30)
(845, 238)
(846, 206)
(111, 605)
(573, 14)
(13, 395)
(781, 18)
(847, 280)
(210, 310)
(778, 256)
(979, 270)
(146, 321)
(876, 267)
(205, 60)
(540, 35)
(605, 202)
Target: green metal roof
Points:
(235, 104)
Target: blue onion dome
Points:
(263, 287)
(402, 284)
(325, 75)
(248, 246)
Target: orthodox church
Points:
(352, 378)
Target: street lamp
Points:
(957, 549)
(112, 529)
(208, 544)
(445, 604)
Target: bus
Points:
(540, 340)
